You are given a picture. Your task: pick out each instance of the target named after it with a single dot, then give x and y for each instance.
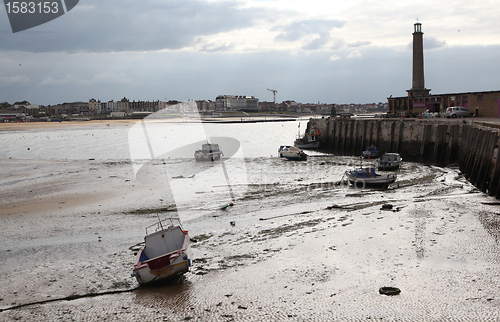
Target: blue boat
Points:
(371, 152)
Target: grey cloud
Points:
(305, 28)
(433, 43)
(131, 25)
(430, 43)
(314, 44)
(338, 43)
(358, 44)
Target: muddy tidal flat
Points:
(302, 247)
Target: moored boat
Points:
(371, 152)
(166, 252)
(367, 177)
(389, 161)
(310, 140)
(208, 152)
(292, 153)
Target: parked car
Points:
(458, 111)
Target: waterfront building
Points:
(94, 106)
(70, 108)
(123, 105)
(205, 106)
(236, 103)
(145, 106)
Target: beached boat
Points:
(292, 153)
(367, 177)
(371, 152)
(310, 140)
(282, 148)
(389, 161)
(208, 152)
(166, 252)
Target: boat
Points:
(310, 140)
(166, 252)
(389, 161)
(371, 152)
(208, 152)
(282, 148)
(367, 177)
(292, 153)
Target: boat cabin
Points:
(162, 242)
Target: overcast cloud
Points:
(332, 52)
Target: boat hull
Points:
(361, 183)
(295, 157)
(161, 268)
(207, 157)
(307, 145)
(362, 178)
(387, 166)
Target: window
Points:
(479, 96)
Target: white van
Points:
(458, 111)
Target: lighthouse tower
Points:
(418, 84)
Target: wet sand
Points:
(69, 230)
(23, 126)
(287, 258)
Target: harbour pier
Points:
(470, 143)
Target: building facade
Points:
(236, 103)
(94, 106)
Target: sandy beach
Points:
(301, 249)
(23, 126)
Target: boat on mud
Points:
(367, 177)
(310, 140)
(389, 161)
(371, 152)
(208, 152)
(282, 148)
(292, 153)
(166, 252)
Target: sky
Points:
(356, 51)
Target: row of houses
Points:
(223, 103)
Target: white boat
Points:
(310, 140)
(282, 148)
(367, 177)
(292, 153)
(166, 252)
(389, 161)
(208, 152)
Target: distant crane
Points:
(274, 92)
